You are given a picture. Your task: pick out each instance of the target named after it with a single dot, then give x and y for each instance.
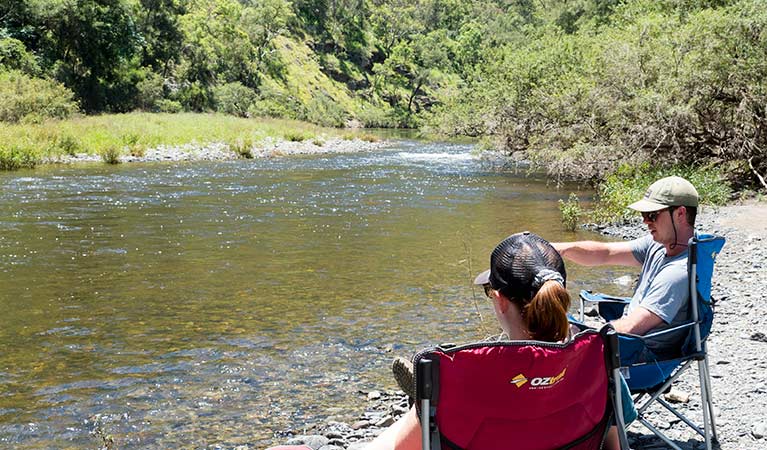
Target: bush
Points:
(324, 111)
(110, 154)
(137, 150)
(373, 116)
(150, 92)
(68, 144)
(571, 212)
(629, 183)
(243, 148)
(195, 97)
(32, 100)
(130, 139)
(367, 137)
(169, 106)
(17, 157)
(274, 102)
(235, 99)
(297, 135)
(14, 56)
(660, 82)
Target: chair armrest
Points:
(610, 307)
(591, 297)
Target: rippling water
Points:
(212, 304)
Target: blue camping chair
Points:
(649, 376)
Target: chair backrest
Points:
(703, 250)
(521, 394)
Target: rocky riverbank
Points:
(219, 151)
(737, 347)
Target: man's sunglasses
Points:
(488, 290)
(653, 215)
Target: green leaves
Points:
(27, 99)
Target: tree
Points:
(417, 67)
(161, 36)
(91, 42)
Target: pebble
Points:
(385, 422)
(676, 396)
(759, 430)
(314, 441)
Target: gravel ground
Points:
(737, 348)
(218, 151)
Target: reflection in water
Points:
(215, 303)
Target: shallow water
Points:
(214, 303)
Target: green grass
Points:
(297, 135)
(628, 184)
(14, 157)
(243, 148)
(23, 145)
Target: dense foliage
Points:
(661, 82)
(580, 86)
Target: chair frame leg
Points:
(681, 417)
(706, 403)
(707, 406)
(659, 433)
(665, 385)
(425, 426)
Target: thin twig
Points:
(473, 292)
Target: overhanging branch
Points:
(753, 169)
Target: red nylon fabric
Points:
(523, 397)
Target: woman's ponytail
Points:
(546, 314)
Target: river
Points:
(210, 304)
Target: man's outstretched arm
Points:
(594, 253)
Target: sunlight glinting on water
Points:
(222, 302)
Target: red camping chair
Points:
(522, 395)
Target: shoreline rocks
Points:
(382, 409)
(737, 346)
(219, 151)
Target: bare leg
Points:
(405, 434)
(612, 442)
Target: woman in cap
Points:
(526, 283)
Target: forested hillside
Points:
(581, 86)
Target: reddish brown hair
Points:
(546, 314)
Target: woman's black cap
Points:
(520, 265)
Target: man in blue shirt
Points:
(661, 299)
